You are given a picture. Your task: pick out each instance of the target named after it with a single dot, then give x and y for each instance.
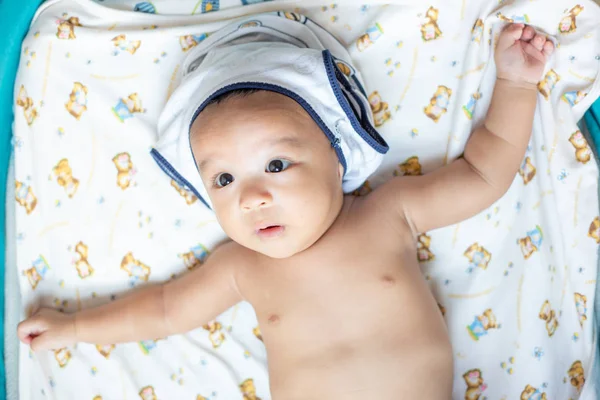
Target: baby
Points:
(307, 257)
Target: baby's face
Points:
(271, 174)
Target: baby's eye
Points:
(277, 165)
(223, 179)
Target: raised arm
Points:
(494, 151)
(153, 312)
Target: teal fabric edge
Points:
(15, 17)
(592, 121)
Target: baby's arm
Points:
(494, 151)
(154, 312)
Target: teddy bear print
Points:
(122, 44)
(532, 242)
(477, 31)
(482, 324)
(105, 349)
(25, 197)
(136, 270)
(97, 397)
(257, 333)
(66, 28)
(64, 177)
(215, 335)
(195, 257)
(147, 345)
(363, 190)
(249, 390)
(189, 41)
(442, 309)
(475, 384)
(423, 252)
(581, 306)
(531, 393)
(573, 97)
(29, 111)
(527, 170)
(210, 5)
(84, 269)
(372, 35)
(438, 105)
(200, 397)
(380, 109)
(568, 24)
(576, 375)
(583, 153)
(548, 315)
(344, 68)
(594, 231)
(469, 108)
(292, 16)
(148, 393)
(62, 356)
(524, 19)
(125, 170)
(429, 28)
(410, 167)
(77, 103)
(37, 272)
(190, 198)
(546, 85)
(478, 256)
(127, 106)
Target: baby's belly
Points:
(373, 337)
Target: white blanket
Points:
(96, 217)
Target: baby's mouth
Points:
(270, 231)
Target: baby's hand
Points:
(47, 329)
(521, 54)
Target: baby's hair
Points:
(230, 95)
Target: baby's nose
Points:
(255, 197)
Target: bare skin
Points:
(342, 305)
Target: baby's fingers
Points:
(510, 34)
(29, 329)
(42, 342)
(548, 48)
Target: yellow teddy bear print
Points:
(84, 269)
(26, 102)
(568, 23)
(478, 256)
(583, 153)
(121, 43)
(527, 170)
(64, 177)
(581, 306)
(531, 393)
(576, 375)
(532, 242)
(189, 41)
(438, 105)
(77, 103)
(475, 384)
(135, 269)
(127, 106)
(423, 252)
(105, 349)
(62, 356)
(594, 231)
(548, 315)
(66, 28)
(249, 390)
(482, 323)
(380, 109)
(37, 272)
(125, 170)
(410, 167)
(195, 257)
(148, 393)
(477, 31)
(190, 198)
(215, 335)
(257, 333)
(430, 29)
(25, 197)
(372, 35)
(546, 85)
